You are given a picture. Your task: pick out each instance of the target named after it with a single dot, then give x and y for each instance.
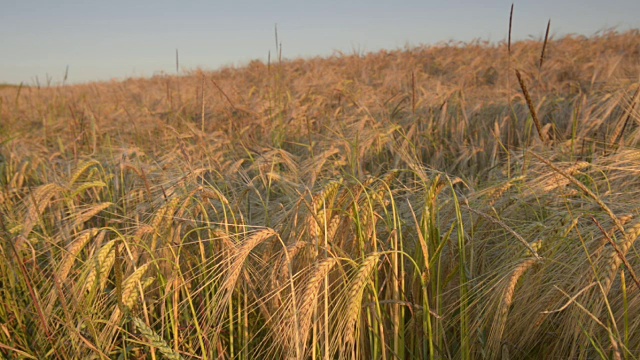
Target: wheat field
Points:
(457, 201)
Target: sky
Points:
(104, 40)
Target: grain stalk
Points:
(544, 44)
(543, 135)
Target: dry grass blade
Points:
(33, 295)
(571, 299)
(19, 352)
(532, 109)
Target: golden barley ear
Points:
(88, 214)
(584, 189)
(70, 257)
(499, 324)
(129, 286)
(40, 199)
(241, 255)
(622, 125)
(618, 255)
(310, 298)
(80, 170)
(100, 268)
(354, 297)
(72, 252)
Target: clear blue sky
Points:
(100, 40)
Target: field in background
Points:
(403, 204)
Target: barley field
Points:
(457, 201)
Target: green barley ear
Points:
(155, 340)
(80, 170)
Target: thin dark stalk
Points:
(509, 127)
(276, 31)
(413, 93)
(510, 23)
(224, 94)
(544, 45)
(177, 63)
(202, 96)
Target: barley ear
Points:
(310, 298)
(155, 340)
(100, 267)
(129, 287)
(500, 322)
(354, 297)
(532, 109)
(72, 252)
(81, 169)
